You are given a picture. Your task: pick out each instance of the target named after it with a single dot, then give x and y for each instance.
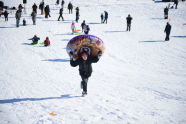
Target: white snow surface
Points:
(140, 79)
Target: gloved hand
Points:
(99, 54)
(72, 56)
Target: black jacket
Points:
(129, 19)
(166, 10)
(167, 28)
(85, 67)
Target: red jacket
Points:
(46, 42)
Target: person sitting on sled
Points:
(47, 42)
(35, 39)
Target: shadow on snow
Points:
(65, 96)
(57, 60)
(94, 23)
(157, 18)
(114, 31)
(151, 41)
(179, 36)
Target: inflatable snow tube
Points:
(90, 42)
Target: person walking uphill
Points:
(85, 66)
(61, 14)
(105, 17)
(129, 19)
(167, 31)
(47, 11)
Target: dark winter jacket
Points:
(41, 6)
(175, 1)
(61, 12)
(70, 6)
(34, 7)
(5, 14)
(18, 14)
(106, 15)
(62, 2)
(20, 7)
(85, 67)
(129, 19)
(47, 10)
(167, 28)
(166, 10)
(82, 25)
(35, 40)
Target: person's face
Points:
(84, 56)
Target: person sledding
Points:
(35, 40)
(85, 65)
(47, 42)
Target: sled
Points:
(94, 43)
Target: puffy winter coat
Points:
(47, 42)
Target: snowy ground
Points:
(140, 79)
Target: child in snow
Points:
(47, 42)
(35, 39)
(73, 27)
(6, 15)
(85, 65)
(86, 29)
(24, 22)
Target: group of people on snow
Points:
(36, 39)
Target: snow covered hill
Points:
(140, 79)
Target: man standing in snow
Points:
(77, 14)
(41, 7)
(129, 19)
(167, 31)
(166, 10)
(62, 3)
(106, 17)
(70, 7)
(85, 65)
(34, 17)
(18, 17)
